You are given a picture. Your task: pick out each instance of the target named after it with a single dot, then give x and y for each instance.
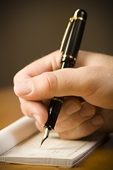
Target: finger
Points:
(35, 110)
(62, 116)
(108, 120)
(51, 62)
(87, 111)
(86, 58)
(70, 106)
(48, 63)
(39, 126)
(85, 129)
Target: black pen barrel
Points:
(69, 49)
(76, 35)
(53, 112)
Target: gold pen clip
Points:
(68, 29)
(66, 34)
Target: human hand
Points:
(42, 80)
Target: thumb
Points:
(48, 84)
(87, 82)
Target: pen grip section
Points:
(53, 112)
(67, 61)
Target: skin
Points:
(91, 79)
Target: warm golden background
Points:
(30, 29)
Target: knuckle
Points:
(49, 82)
(66, 135)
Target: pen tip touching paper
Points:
(46, 134)
(43, 140)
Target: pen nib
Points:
(46, 134)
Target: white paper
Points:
(16, 132)
(54, 151)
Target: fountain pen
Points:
(69, 49)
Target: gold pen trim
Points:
(55, 98)
(69, 56)
(64, 37)
(72, 57)
(75, 18)
(68, 26)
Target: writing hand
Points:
(91, 80)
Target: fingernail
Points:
(86, 110)
(23, 87)
(97, 120)
(71, 108)
(37, 118)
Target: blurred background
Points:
(30, 29)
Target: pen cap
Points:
(80, 13)
(75, 35)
